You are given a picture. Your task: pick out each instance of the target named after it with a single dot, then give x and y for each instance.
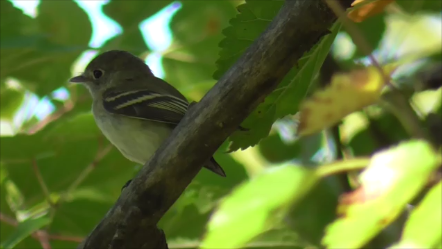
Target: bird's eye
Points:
(98, 74)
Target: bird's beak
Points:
(78, 79)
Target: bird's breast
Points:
(136, 139)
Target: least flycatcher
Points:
(135, 110)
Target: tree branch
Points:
(131, 223)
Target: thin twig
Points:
(8, 220)
(68, 106)
(355, 34)
(409, 120)
(75, 239)
(41, 182)
(399, 106)
(100, 154)
(43, 237)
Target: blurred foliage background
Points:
(59, 175)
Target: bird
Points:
(135, 110)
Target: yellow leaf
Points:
(347, 93)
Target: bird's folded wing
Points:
(145, 104)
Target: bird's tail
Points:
(213, 166)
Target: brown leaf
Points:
(367, 10)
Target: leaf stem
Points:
(396, 101)
(356, 35)
(342, 166)
(399, 106)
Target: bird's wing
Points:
(145, 104)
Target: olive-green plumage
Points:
(134, 109)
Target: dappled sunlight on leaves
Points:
(392, 179)
(59, 175)
(247, 212)
(424, 216)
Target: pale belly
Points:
(135, 146)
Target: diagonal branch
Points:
(131, 223)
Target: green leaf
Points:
(17, 32)
(377, 135)
(79, 127)
(313, 212)
(130, 15)
(48, 141)
(304, 149)
(392, 179)
(423, 5)
(74, 143)
(79, 217)
(187, 223)
(372, 29)
(190, 61)
(423, 228)
(187, 218)
(24, 229)
(30, 147)
(276, 151)
(55, 19)
(256, 205)
(13, 196)
(281, 237)
(6, 200)
(131, 39)
(23, 24)
(41, 59)
(10, 102)
(60, 151)
(285, 100)
(253, 19)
